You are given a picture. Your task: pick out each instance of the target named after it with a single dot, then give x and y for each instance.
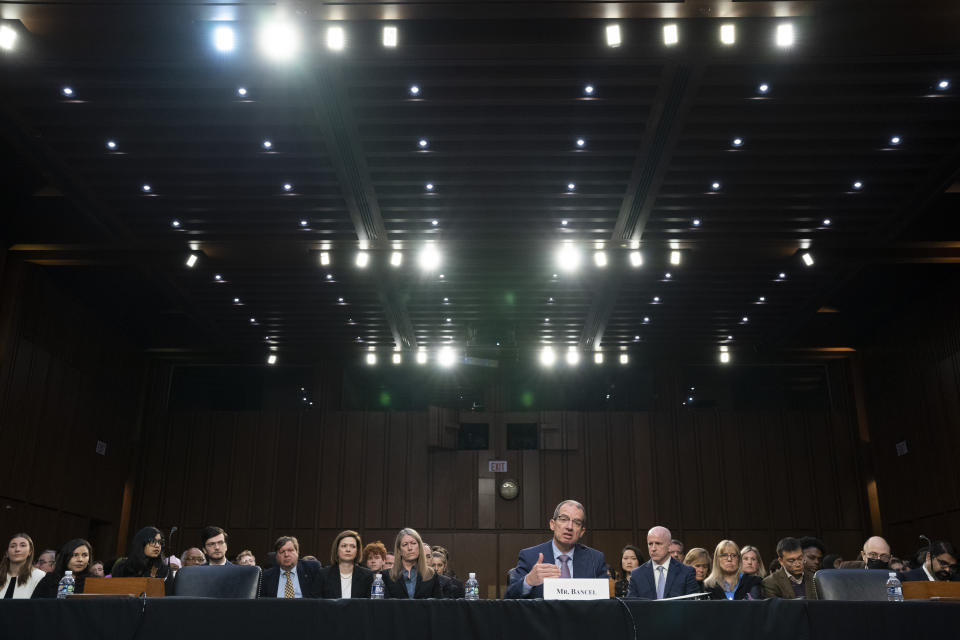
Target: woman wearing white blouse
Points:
(345, 578)
(16, 569)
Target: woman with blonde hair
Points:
(411, 576)
(751, 563)
(726, 581)
(17, 570)
(699, 559)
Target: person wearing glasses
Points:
(214, 543)
(145, 558)
(562, 557)
(875, 555)
(726, 581)
(790, 581)
(939, 565)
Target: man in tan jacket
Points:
(790, 580)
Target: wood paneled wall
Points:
(66, 381)
(912, 383)
(753, 477)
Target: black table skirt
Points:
(176, 618)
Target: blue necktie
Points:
(660, 584)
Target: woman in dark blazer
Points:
(74, 556)
(411, 575)
(345, 578)
(726, 581)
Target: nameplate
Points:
(576, 589)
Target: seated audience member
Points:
(661, 576)
(174, 563)
(17, 570)
(832, 561)
(791, 580)
(246, 558)
(374, 556)
(96, 569)
(751, 563)
(290, 577)
(47, 560)
(629, 560)
(939, 565)
(388, 561)
(345, 578)
(676, 550)
(726, 581)
(813, 552)
(310, 558)
(699, 559)
(449, 585)
(192, 557)
(774, 566)
(896, 564)
(411, 577)
(145, 558)
(875, 555)
(214, 543)
(561, 557)
(74, 556)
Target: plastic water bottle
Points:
(894, 588)
(376, 591)
(66, 586)
(472, 588)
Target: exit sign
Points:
(498, 466)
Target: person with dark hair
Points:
(676, 548)
(791, 580)
(896, 564)
(96, 569)
(345, 578)
(144, 557)
(630, 558)
(300, 578)
(813, 552)
(17, 570)
(246, 558)
(832, 561)
(213, 541)
(74, 556)
(939, 565)
(451, 588)
(411, 577)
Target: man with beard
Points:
(939, 565)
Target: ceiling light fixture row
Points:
(784, 34)
(280, 40)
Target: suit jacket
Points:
(681, 581)
(359, 588)
(749, 585)
(308, 575)
(914, 575)
(48, 585)
(587, 563)
(424, 589)
(778, 585)
(451, 588)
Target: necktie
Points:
(564, 568)
(288, 588)
(660, 584)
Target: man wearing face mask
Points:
(940, 565)
(875, 555)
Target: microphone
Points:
(930, 551)
(173, 530)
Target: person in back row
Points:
(790, 581)
(214, 543)
(726, 581)
(17, 569)
(661, 576)
(74, 556)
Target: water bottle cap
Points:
(473, 576)
(893, 574)
(379, 575)
(68, 573)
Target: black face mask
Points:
(877, 563)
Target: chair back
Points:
(869, 585)
(228, 581)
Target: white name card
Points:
(576, 589)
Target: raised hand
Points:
(540, 571)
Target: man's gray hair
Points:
(556, 512)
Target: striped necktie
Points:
(288, 588)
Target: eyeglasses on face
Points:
(565, 519)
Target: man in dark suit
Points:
(661, 576)
(939, 565)
(562, 557)
(291, 577)
(791, 580)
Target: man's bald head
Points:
(876, 548)
(658, 544)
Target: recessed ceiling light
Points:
(434, 222)
(67, 91)
(441, 276)
(414, 90)
(253, 321)
(396, 259)
(390, 36)
(340, 300)
(827, 222)
(763, 298)
(671, 35)
(646, 319)
(397, 358)
(667, 275)
(236, 301)
(287, 186)
(324, 258)
(363, 258)
(728, 34)
(191, 260)
(656, 299)
(112, 145)
(428, 186)
(279, 41)
(737, 142)
(446, 300)
(449, 320)
(547, 356)
(763, 88)
(571, 186)
(588, 89)
(783, 275)
(336, 38)
(563, 223)
(175, 224)
(303, 223)
(674, 257)
(329, 276)
(725, 357)
(224, 39)
(581, 142)
(600, 259)
(242, 91)
(8, 38)
(636, 259)
(422, 356)
(267, 144)
(429, 258)
(943, 84)
(272, 359)
(696, 222)
(624, 358)
(598, 357)
(550, 300)
(715, 186)
(785, 35)
(613, 35)
(423, 143)
(636, 338)
(744, 319)
(858, 185)
(218, 277)
(807, 259)
(371, 359)
(446, 357)
(146, 188)
(895, 140)
(568, 257)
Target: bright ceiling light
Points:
(304, 223)
(858, 185)
(324, 258)
(267, 144)
(943, 85)
(744, 319)
(724, 355)
(390, 37)
(785, 35)
(573, 356)
(674, 257)
(827, 222)
(696, 222)
(146, 188)
(423, 143)
(636, 259)
(242, 92)
(613, 35)
(895, 140)
(671, 35)
(371, 359)
(782, 275)
(446, 357)
(598, 357)
(434, 222)
(414, 90)
(428, 186)
(279, 41)
(363, 258)
(67, 91)
(175, 224)
(191, 260)
(397, 358)
(588, 90)
(112, 145)
(568, 257)
(224, 39)
(763, 88)
(715, 186)
(336, 38)
(737, 142)
(8, 38)
(287, 186)
(728, 34)
(396, 259)
(422, 356)
(807, 259)
(429, 258)
(547, 356)
(571, 186)
(272, 358)
(624, 358)
(600, 259)
(581, 142)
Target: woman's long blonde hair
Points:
(423, 569)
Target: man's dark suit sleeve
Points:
(515, 589)
(690, 582)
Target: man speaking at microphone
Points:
(562, 557)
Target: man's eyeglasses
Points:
(565, 519)
(873, 555)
